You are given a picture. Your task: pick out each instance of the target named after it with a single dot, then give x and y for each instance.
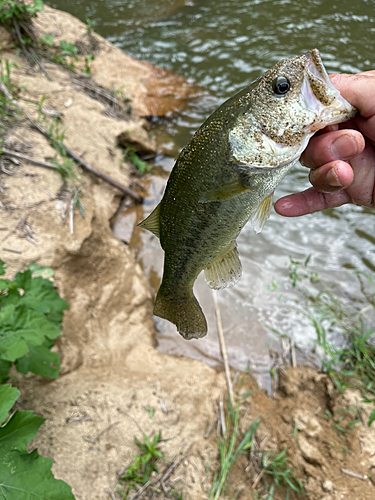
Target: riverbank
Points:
(111, 374)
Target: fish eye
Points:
(280, 85)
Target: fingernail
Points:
(332, 178)
(344, 146)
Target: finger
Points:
(367, 127)
(339, 145)
(309, 201)
(356, 89)
(332, 176)
(362, 190)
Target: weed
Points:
(150, 410)
(7, 109)
(47, 40)
(273, 470)
(228, 450)
(19, 10)
(140, 165)
(276, 468)
(68, 49)
(140, 470)
(354, 364)
(62, 61)
(90, 25)
(88, 59)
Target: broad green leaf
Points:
(2, 267)
(21, 327)
(20, 429)
(28, 476)
(37, 270)
(41, 361)
(68, 49)
(23, 280)
(8, 396)
(4, 370)
(4, 284)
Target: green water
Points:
(223, 45)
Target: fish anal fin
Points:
(225, 271)
(262, 213)
(225, 192)
(152, 222)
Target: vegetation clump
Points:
(272, 469)
(31, 313)
(351, 365)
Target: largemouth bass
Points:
(227, 174)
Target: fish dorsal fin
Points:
(152, 222)
(225, 271)
(262, 213)
(224, 193)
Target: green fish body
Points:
(226, 175)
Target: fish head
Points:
(286, 106)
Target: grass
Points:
(352, 365)
(277, 473)
(140, 470)
(139, 474)
(272, 469)
(140, 165)
(8, 111)
(229, 449)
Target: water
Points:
(223, 45)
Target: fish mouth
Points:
(320, 96)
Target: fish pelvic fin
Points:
(152, 222)
(185, 312)
(262, 213)
(224, 193)
(225, 271)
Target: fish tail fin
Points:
(184, 311)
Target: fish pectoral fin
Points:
(224, 193)
(225, 271)
(152, 222)
(262, 213)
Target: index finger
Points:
(358, 90)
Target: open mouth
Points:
(320, 96)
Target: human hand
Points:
(342, 157)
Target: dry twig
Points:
(352, 473)
(223, 349)
(9, 152)
(71, 153)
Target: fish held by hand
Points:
(226, 176)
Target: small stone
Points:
(328, 486)
(307, 423)
(309, 452)
(68, 103)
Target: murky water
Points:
(223, 45)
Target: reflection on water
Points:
(223, 45)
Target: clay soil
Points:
(114, 385)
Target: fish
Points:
(226, 176)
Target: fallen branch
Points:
(71, 153)
(8, 152)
